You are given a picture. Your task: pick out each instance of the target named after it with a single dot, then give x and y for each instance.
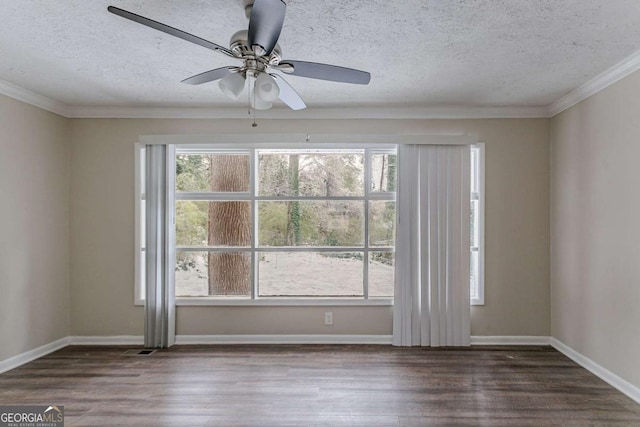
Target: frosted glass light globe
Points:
(266, 88)
(231, 85)
(260, 104)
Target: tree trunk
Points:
(293, 207)
(332, 168)
(391, 173)
(382, 174)
(229, 225)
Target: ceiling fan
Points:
(261, 56)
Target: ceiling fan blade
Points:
(333, 73)
(265, 24)
(288, 95)
(208, 76)
(169, 30)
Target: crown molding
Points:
(598, 83)
(311, 113)
(330, 113)
(32, 98)
(327, 113)
(593, 86)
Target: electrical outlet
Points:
(328, 318)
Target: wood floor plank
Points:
(323, 385)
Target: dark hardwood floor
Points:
(341, 385)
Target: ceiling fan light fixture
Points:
(260, 104)
(266, 88)
(232, 85)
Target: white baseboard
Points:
(36, 353)
(28, 356)
(598, 370)
(107, 340)
(343, 339)
(510, 340)
(283, 339)
(236, 339)
(295, 339)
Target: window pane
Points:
(311, 174)
(383, 172)
(142, 272)
(212, 172)
(142, 267)
(306, 274)
(381, 274)
(202, 223)
(474, 274)
(311, 223)
(143, 223)
(142, 171)
(475, 208)
(213, 273)
(474, 170)
(382, 219)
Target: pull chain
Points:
(251, 92)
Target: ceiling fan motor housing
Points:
(239, 45)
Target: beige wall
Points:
(595, 217)
(102, 229)
(34, 227)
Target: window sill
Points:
(283, 302)
(275, 302)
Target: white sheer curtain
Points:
(432, 302)
(159, 303)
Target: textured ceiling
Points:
(420, 53)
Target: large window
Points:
(260, 224)
(266, 224)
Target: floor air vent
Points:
(143, 352)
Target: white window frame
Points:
(253, 197)
(479, 150)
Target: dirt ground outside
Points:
(299, 274)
